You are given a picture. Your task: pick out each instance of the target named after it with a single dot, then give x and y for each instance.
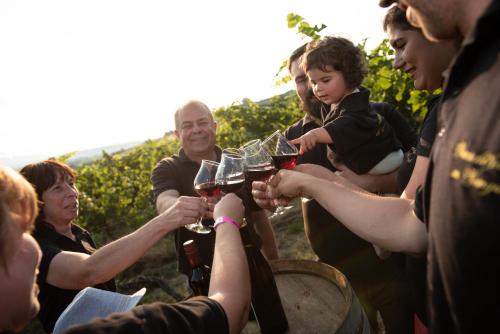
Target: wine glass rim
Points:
(252, 148)
(250, 143)
(210, 162)
(272, 135)
(233, 152)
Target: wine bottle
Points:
(199, 276)
(266, 302)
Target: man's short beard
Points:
(312, 106)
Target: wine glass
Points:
(205, 186)
(230, 174)
(284, 155)
(259, 164)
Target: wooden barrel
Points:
(317, 298)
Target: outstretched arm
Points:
(311, 139)
(72, 270)
(230, 278)
(384, 221)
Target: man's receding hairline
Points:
(192, 103)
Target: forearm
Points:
(166, 200)
(69, 270)
(265, 231)
(118, 255)
(230, 279)
(323, 136)
(387, 222)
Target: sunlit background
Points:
(76, 75)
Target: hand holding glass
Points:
(204, 185)
(259, 165)
(284, 155)
(279, 148)
(230, 177)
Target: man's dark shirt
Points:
(361, 137)
(178, 173)
(332, 241)
(54, 300)
(198, 315)
(336, 245)
(461, 197)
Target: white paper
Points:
(93, 303)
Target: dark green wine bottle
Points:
(199, 276)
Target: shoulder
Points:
(166, 166)
(167, 162)
(45, 235)
(383, 108)
(294, 130)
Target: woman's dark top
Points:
(424, 145)
(416, 267)
(54, 300)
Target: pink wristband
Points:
(225, 219)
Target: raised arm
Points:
(387, 222)
(71, 270)
(230, 279)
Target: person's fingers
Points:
(212, 199)
(275, 179)
(259, 190)
(303, 168)
(264, 203)
(295, 141)
(259, 185)
(192, 206)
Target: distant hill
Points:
(79, 158)
(82, 157)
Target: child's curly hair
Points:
(338, 53)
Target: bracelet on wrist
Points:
(225, 219)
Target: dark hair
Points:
(396, 17)
(43, 175)
(296, 54)
(339, 53)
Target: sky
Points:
(77, 75)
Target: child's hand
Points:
(306, 142)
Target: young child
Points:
(359, 137)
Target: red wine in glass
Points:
(230, 177)
(231, 186)
(204, 184)
(259, 172)
(207, 189)
(285, 161)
